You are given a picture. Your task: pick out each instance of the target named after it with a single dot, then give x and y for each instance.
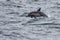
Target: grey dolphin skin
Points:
(37, 13)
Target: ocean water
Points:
(14, 25)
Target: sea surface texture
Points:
(14, 25)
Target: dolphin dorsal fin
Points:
(39, 9)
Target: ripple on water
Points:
(13, 13)
(8, 22)
(57, 3)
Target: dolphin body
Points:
(37, 13)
